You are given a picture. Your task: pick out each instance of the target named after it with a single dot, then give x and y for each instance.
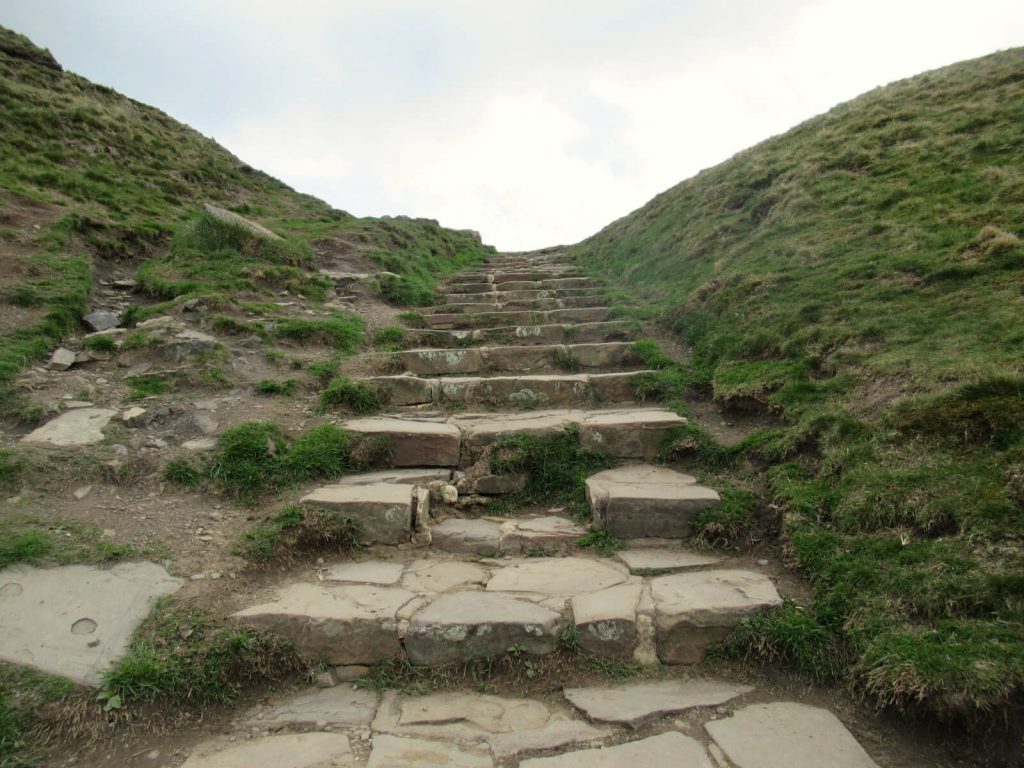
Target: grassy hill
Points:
(106, 178)
(861, 277)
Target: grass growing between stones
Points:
(296, 531)
(181, 654)
(25, 540)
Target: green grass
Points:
(390, 339)
(181, 471)
(343, 330)
(270, 387)
(25, 695)
(148, 385)
(105, 344)
(413, 319)
(296, 530)
(859, 278)
(355, 396)
(601, 542)
(323, 370)
(26, 540)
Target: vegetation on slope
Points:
(861, 277)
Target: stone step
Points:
(540, 358)
(490, 536)
(442, 611)
(528, 335)
(449, 321)
(499, 276)
(531, 391)
(502, 296)
(627, 433)
(471, 286)
(641, 501)
(470, 307)
(383, 513)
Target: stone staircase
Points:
(442, 581)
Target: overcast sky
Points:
(535, 122)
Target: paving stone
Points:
(426, 362)
(539, 534)
(338, 624)
(396, 752)
(559, 731)
(556, 576)
(83, 426)
(75, 620)
(432, 576)
(457, 715)
(340, 705)
(664, 560)
(405, 389)
(636, 501)
(466, 536)
(383, 512)
(636, 703)
(200, 444)
(668, 750)
(377, 572)
(472, 625)
(496, 485)
(299, 750)
(694, 609)
(606, 621)
(411, 476)
(629, 434)
(787, 735)
(414, 443)
(480, 430)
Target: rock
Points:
(636, 703)
(71, 405)
(135, 417)
(383, 513)
(449, 494)
(343, 624)
(229, 217)
(413, 443)
(787, 735)
(76, 620)
(339, 705)
(440, 361)
(657, 560)
(548, 534)
(434, 577)
(456, 715)
(200, 444)
(405, 389)
(367, 572)
(496, 485)
(61, 360)
(470, 536)
(637, 501)
(81, 493)
(124, 284)
(559, 731)
(83, 426)
(694, 609)
(606, 621)
(555, 576)
(394, 752)
(668, 750)
(350, 672)
(629, 434)
(414, 476)
(205, 424)
(101, 321)
(473, 625)
(295, 750)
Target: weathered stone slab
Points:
(76, 620)
(496, 485)
(606, 621)
(379, 572)
(480, 430)
(637, 501)
(556, 576)
(427, 362)
(405, 389)
(694, 609)
(414, 443)
(629, 434)
(668, 750)
(433, 576)
(470, 536)
(347, 624)
(549, 534)
(395, 752)
(787, 735)
(614, 387)
(101, 321)
(230, 217)
(473, 625)
(294, 750)
(559, 731)
(636, 703)
(657, 560)
(61, 359)
(383, 512)
(341, 705)
(412, 476)
(82, 426)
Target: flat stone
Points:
(83, 426)
(629, 434)
(694, 609)
(559, 731)
(343, 624)
(297, 750)
(787, 735)
(230, 217)
(555, 576)
(466, 536)
(440, 361)
(480, 430)
(339, 705)
(61, 360)
(432, 576)
(637, 501)
(456, 715)
(396, 752)
(539, 534)
(406, 389)
(200, 444)
(606, 621)
(496, 485)
(134, 416)
(664, 560)
(411, 476)
(413, 443)
(368, 572)
(205, 424)
(383, 512)
(73, 404)
(636, 703)
(668, 750)
(101, 321)
(76, 620)
(473, 625)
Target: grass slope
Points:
(861, 276)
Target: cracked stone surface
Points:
(82, 426)
(637, 703)
(300, 750)
(341, 705)
(556, 576)
(667, 750)
(664, 560)
(396, 752)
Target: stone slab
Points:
(82, 426)
(662, 560)
(787, 735)
(298, 750)
(341, 705)
(560, 731)
(413, 443)
(549, 534)
(637, 703)
(396, 752)
(377, 572)
(606, 621)
(434, 577)
(76, 620)
(471, 536)
(629, 434)
(410, 476)
(383, 512)
(556, 576)
(668, 750)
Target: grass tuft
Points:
(355, 396)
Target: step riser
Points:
(468, 307)
(549, 358)
(525, 285)
(503, 296)
(530, 335)
(500, 319)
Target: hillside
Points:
(861, 279)
(90, 179)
